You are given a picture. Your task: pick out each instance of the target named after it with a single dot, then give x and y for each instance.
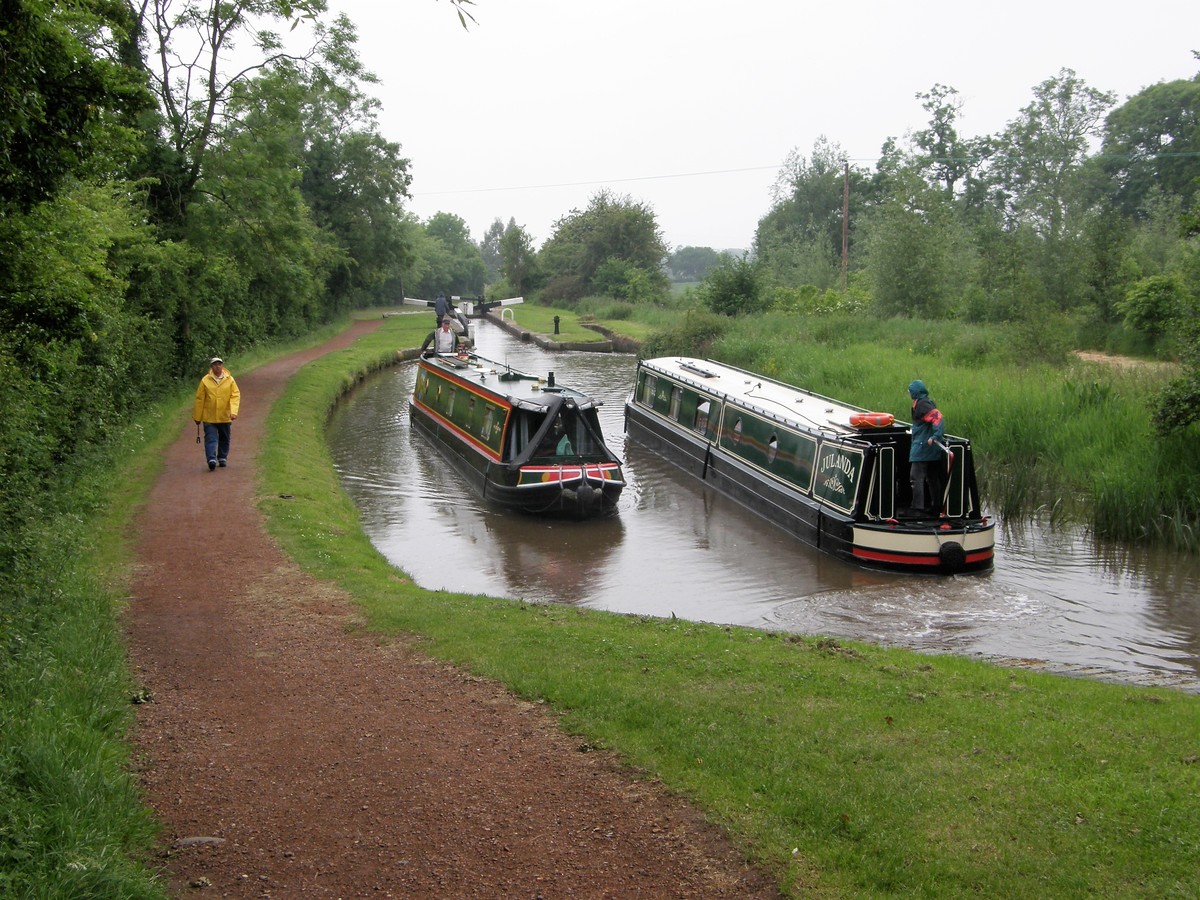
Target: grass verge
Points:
(72, 819)
(845, 769)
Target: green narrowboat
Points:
(524, 442)
(833, 475)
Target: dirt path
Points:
(288, 755)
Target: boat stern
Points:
(945, 547)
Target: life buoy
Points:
(871, 419)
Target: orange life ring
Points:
(871, 420)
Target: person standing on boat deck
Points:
(441, 307)
(926, 458)
(217, 403)
(443, 338)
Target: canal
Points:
(1056, 600)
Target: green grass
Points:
(72, 819)
(845, 769)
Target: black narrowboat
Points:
(524, 442)
(833, 475)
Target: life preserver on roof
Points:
(871, 419)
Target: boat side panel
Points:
(481, 418)
(798, 515)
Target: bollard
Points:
(556, 324)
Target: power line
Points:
(562, 184)
(777, 168)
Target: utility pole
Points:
(845, 222)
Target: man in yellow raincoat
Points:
(217, 402)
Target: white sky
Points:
(691, 107)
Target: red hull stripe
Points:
(924, 559)
(474, 442)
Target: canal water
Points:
(1056, 600)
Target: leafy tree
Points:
(947, 158)
(916, 252)
(1038, 163)
(611, 227)
(799, 240)
(191, 83)
(65, 106)
(1179, 404)
(692, 263)
(1152, 144)
(518, 258)
(489, 247)
(734, 288)
(354, 181)
(1153, 303)
(454, 263)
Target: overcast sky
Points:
(691, 107)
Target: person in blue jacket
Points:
(927, 456)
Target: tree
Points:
(453, 260)
(1043, 151)
(692, 263)
(943, 156)
(65, 104)
(612, 227)
(734, 288)
(518, 258)
(799, 240)
(916, 259)
(1152, 143)
(353, 180)
(489, 247)
(193, 89)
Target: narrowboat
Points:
(833, 475)
(523, 441)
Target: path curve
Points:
(289, 754)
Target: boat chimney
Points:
(550, 380)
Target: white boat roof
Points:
(761, 394)
(528, 391)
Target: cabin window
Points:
(525, 425)
(488, 415)
(701, 423)
(737, 432)
(676, 398)
(450, 394)
(772, 448)
(649, 383)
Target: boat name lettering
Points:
(838, 461)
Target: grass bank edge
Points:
(884, 770)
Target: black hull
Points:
(564, 496)
(930, 547)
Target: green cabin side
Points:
(483, 418)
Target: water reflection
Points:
(1056, 599)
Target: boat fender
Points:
(952, 556)
(871, 419)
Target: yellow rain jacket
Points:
(216, 401)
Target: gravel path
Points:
(289, 754)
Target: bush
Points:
(693, 334)
(733, 288)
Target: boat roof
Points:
(763, 395)
(521, 388)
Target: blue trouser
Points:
(216, 440)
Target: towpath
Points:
(289, 754)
